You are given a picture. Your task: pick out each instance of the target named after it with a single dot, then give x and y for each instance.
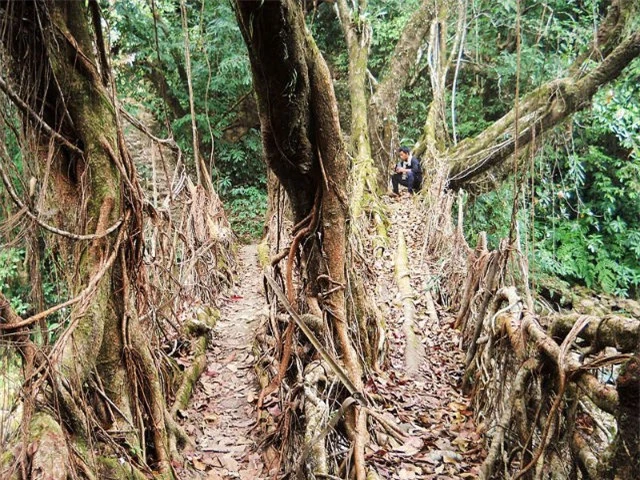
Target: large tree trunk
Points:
(302, 145)
(63, 84)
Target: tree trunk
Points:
(302, 145)
(434, 139)
(59, 68)
(383, 105)
(545, 107)
(358, 36)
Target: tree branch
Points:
(383, 105)
(541, 110)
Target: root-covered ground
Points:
(444, 441)
(440, 438)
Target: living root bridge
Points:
(537, 386)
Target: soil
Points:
(222, 414)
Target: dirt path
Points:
(222, 412)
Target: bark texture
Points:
(303, 147)
(62, 83)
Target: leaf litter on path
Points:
(441, 440)
(221, 414)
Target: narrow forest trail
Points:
(222, 415)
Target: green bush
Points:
(246, 207)
(13, 283)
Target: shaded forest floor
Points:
(221, 418)
(442, 441)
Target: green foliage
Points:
(587, 196)
(150, 51)
(16, 285)
(590, 208)
(414, 106)
(241, 163)
(243, 186)
(490, 213)
(473, 117)
(13, 283)
(247, 207)
(388, 19)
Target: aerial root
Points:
(414, 351)
(497, 442)
(306, 227)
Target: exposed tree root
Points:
(587, 460)
(503, 426)
(317, 414)
(621, 333)
(49, 456)
(533, 350)
(198, 329)
(414, 351)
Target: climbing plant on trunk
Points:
(100, 382)
(303, 146)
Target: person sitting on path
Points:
(408, 172)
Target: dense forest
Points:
(170, 167)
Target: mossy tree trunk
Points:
(539, 111)
(357, 32)
(384, 103)
(101, 372)
(303, 146)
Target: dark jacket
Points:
(414, 164)
(416, 168)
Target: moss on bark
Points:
(48, 448)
